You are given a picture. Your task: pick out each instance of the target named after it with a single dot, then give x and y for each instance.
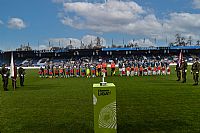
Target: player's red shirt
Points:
(141, 68)
(149, 68)
(112, 65)
(159, 68)
(128, 69)
(104, 65)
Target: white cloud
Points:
(142, 42)
(43, 47)
(186, 24)
(113, 16)
(16, 23)
(183, 22)
(130, 18)
(196, 4)
(102, 17)
(88, 39)
(65, 42)
(1, 22)
(40, 47)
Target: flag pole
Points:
(12, 66)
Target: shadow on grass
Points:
(38, 87)
(168, 126)
(68, 127)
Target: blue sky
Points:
(33, 21)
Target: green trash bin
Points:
(104, 101)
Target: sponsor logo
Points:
(107, 116)
(104, 92)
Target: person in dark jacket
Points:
(178, 72)
(5, 75)
(184, 70)
(21, 72)
(195, 71)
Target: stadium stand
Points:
(39, 57)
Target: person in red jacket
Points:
(99, 69)
(46, 73)
(159, 70)
(145, 71)
(41, 72)
(163, 70)
(141, 70)
(136, 71)
(56, 71)
(61, 72)
(112, 68)
(154, 70)
(132, 70)
(128, 71)
(168, 70)
(149, 70)
(104, 66)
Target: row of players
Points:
(96, 70)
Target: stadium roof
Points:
(151, 48)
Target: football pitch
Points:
(149, 104)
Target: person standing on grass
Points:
(5, 75)
(61, 72)
(77, 71)
(93, 70)
(195, 71)
(113, 68)
(120, 68)
(184, 70)
(99, 69)
(141, 71)
(21, 72)
(41, 72)
(168, 70)
(132, 70)
(104, 66)
(136, 70)
(88, 71)
(178, 72)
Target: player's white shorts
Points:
(163, 72)
(136, 73)
(128, 73)
(158, 72)
(132, 73)
(154, 72)
(149, 72)
(145, 73)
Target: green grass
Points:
(156, 104)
